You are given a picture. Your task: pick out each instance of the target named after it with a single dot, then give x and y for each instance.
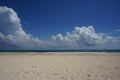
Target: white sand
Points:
(60, 67)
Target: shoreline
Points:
(61, 53)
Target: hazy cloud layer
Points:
(12, 36)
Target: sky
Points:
(59, 24)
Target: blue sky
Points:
(50, 17)
(44, 18)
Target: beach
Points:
(59, 66)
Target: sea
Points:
(60, 51)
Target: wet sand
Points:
(60, 66)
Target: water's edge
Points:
(59, 50)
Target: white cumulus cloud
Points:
(12, 36)
(85, 38)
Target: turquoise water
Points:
(59, 50)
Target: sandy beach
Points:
(51, 66)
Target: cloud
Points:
(12, 36)
(117, 30)
(86, 38)
(81, 36)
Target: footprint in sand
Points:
(34, 66)
(23, 77)
(80, 69)
(72, 74)
(101, 66)
(89, 79)
(27, 72)
(17, 73)
(37, 74)
(72, 78)
(55, 74)
(116, 68)
(63, 78)
(67, 70)
(88, 75)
